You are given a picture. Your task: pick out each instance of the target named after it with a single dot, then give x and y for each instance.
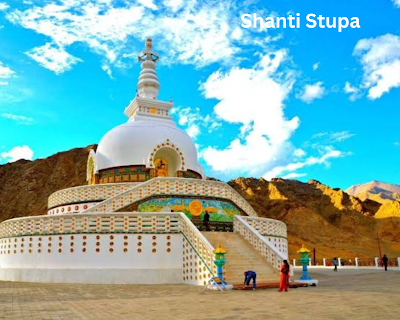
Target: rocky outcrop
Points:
(26, 185)
(330, 220)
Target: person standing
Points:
(385, 261)
(284, 278)
(250, 275)
(206, 221)
(334, 262)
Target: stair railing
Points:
(265, 247)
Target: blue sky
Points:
(293, 103)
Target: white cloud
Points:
(174, 5)
(107, 69)
(333, 137)
(193, 131)
(354, 92)
(18, 118)
(299, 153)
(148, 4)
(193, 122)
(380, 59)
(316, 66)
(294, 175)
(252, 98)
(17, 153)
(327, 153)
(53, 58)
(3, 6)
(397, 143)
(5, 72)
(396, 3)
(312, 92)
(189, 32)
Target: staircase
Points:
(241, 256)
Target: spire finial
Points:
(148, 82)
(149, 44)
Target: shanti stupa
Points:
(139, 219)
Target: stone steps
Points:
(241, 256)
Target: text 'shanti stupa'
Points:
(139, 219)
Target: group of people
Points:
(286, 272)
(384, 262)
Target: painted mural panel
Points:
(218, 210)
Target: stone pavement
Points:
(347, 294)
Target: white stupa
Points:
(149, 134)
(138, 219)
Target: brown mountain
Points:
(25, 185)
(317, 216)
(330, 220)
(377, 191)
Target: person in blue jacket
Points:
(335, 263)
(249, 275)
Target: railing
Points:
(200, 244)
(170, 222)
(268, 227)
(88, 193)
(222, 226)
(348, 261)
(173, 186)
(274, 231)
(351, 262)
(265, 247)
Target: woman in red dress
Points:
(284, 279)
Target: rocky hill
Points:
(330, 220)
(25, 185)
(377, 191)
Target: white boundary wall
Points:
(123, 248)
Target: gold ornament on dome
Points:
(195, 207)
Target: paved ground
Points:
(347, 294)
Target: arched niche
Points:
(167, 161)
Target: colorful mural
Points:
(194, 209)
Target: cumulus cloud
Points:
(18, 118)
(5, 73)
(53, 58)
(191, 33)
(17, 153)
(3, 6)
(354, 92)
(253, 99)
(380, 59)
(312, 92)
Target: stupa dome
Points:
(140, 142)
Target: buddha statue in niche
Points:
(161, 167)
